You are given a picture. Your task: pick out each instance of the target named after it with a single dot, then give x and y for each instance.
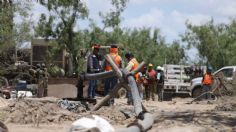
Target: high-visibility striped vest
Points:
(207, 79)
(135, 62)
(117, 60)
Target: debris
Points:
(73, 106)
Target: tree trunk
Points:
(70, 65)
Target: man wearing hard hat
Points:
(151, 78)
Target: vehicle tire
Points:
(197, 91)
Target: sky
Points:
(167, 15)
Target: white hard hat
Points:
(160, 68)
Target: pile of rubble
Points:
(41, 111)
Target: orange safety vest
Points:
(117, 60)
(135, 62)
(139, 79)
(207, 79)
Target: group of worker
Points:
(149, 81)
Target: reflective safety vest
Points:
(117, 60)
(135, 62)
(207, 79)
(140, 78)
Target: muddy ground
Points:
(176, 115)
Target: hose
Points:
(215, 97)
(140, 125)
(97, 76)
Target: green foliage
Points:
(60, 25)
(146, 44)
(13, 34)
(216, 43)
(113, 18)
(6, 23)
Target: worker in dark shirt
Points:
(93, 66)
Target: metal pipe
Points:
(97, 76)
(111, 94)
(141, 125)
(137, 101)
(138, 68)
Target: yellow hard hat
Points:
(150, 65)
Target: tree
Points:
(215, 42)
(6, 22)
(60, 25)
(14, 34)
(113, 18)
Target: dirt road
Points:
(176, 115)
(170, 116)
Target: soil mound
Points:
(38, 111)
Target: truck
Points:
(196, 83)
(175, 80)
(178, 78)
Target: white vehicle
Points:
(196, 83)
(175, 80)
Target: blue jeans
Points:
(110, 84)
(92, 88)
